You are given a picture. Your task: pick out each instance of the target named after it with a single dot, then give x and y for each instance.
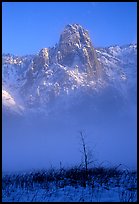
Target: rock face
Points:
(75, 50)
(42, 60)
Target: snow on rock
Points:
(7, 99)
(9, 103)
(120, 63)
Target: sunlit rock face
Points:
(75, 49)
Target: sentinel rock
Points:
(75, 49)
(73, 59)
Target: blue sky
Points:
(29, 26)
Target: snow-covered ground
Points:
(108, 187)
(68, 193)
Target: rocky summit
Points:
(75, 50)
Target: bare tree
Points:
(84, 151)
(86, 156)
